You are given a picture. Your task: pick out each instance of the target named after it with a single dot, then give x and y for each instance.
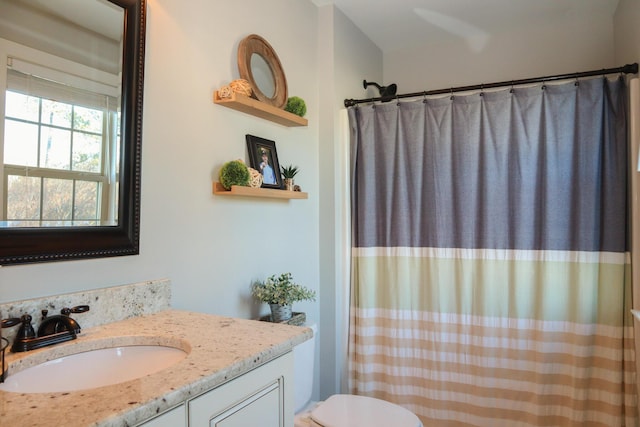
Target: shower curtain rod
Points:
(627, 69)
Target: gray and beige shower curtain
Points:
(490, 266)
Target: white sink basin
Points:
(94, 368)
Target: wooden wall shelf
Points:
(260, 109)
(270, 193)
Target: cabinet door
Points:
(261, 409)
(261, 397)
(176, 417)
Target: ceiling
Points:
(99, 16)
(397, 24)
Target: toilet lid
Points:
(344, 410)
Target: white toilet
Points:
(340, 410)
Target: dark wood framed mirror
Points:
(41, 241)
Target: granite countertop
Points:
(220, 349)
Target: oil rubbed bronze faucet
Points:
(52, 330)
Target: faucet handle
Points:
(77, 309)
(26, 330)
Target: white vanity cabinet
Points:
(176, 417)
(262, 397)
(238, 371)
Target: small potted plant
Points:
(234, 172)
(280, 292)
(296, 105)
(288, 173)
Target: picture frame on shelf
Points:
(263, 157)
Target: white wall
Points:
(347, 57)
(210, 247)
(627, 50)
(627, 32)
(565, 45)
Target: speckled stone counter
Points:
(219, 349)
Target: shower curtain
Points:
(490, 268)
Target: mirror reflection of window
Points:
(263, 76)
(60, 153)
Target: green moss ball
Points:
(297, 106)
(234, 173)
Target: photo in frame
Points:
(263, 157)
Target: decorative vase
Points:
(280, 313)
(288, 184)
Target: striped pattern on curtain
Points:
(491, 278)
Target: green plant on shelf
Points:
(289, 172)
(296, 105)
(234, 172)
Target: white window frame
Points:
(31, 61)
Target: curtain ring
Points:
(577, 82)
(397, 101)
(424, 97)
(482, 89)
(511, 90)
(451, 96)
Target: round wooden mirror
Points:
(260, 66)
